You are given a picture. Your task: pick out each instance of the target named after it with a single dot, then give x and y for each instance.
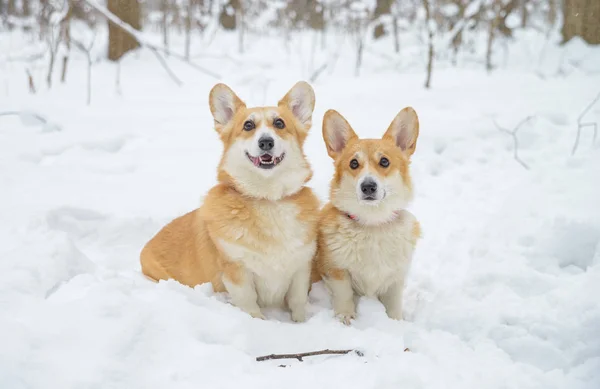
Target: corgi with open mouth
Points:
(254, 236)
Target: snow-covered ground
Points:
(505, 287)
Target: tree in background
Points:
(119, 41)
(581, 18)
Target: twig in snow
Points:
(581, 125)
(30, 81)
(19, 113)
(309, 354)
(143, 42)
(513, 134)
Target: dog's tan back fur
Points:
(255, 234)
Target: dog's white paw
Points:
(346, 317)
(395, 315)
(299, 315)
(257, 315)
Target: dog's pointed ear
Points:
(404, 130)
(224, 103)
(300, 100)
(336, 133)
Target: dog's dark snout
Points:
(266, 143)
(368, 187)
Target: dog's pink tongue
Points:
(266, 158)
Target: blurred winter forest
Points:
(177, 30)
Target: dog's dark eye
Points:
(384, 162)
(249, 125)
(354, 164)
(278, 123)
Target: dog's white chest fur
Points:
(279, 250)
(375, 256)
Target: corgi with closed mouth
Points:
(366, 236)
(254, 236)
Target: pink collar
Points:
(355, 218)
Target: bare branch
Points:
(308, 354)
(581, 125)
(143, 42)
(318, 72)
(163, 62)
(513, 134)
(88, 52)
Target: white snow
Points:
(504, 291)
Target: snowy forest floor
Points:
(504, 288)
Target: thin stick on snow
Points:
(309, 354)
(581, 125)
(143, 42)
(30, 81)
(513, 134)
(19, 113)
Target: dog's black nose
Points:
(266, 143)
(368, 187)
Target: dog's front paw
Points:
(346, 317)
(257, 315)
(395, 314)
(299, 315)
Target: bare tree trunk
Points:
(67, 40)
(63, 73)
(490, 43)
(493, 23)
(430, 52)
(119, 41)
(382, 7)
(396, 34)
(188, 29)
(89, 77)
(25, 8)
(50, 67)
(239, 16)
(164, 8)
(324, 30)
(552, 12)
(88, 54)
(359, 54)
(581, 18)
(524, 13)
(11, 7)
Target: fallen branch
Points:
(27, 116)
(20, 114)
(143, 42)
(513, 134)
(309, 354)
(581, 125)
(30, 81)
